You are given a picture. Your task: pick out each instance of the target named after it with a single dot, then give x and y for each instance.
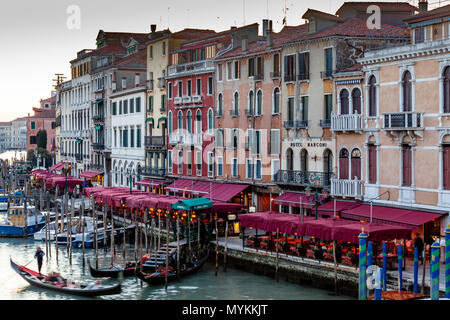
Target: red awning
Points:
(89, 174)
(225, 192)
(387, 215)
(375, 232)
(61, 182)
(150, 183)
(329, 207)
(226, 207)
(293, 199)
(180, 185)
(57, 166)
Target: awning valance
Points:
(150, 183)
(90, 174)
(193, 204)
(296, 199)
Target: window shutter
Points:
(356, 168)
(301, 64)
(275, 142)
(446, 167)
(372, 164)
(343, 168)
(286, 70)
(406, 155)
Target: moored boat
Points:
(14, 224)
(113, 271)
(38, 280)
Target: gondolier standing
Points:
(39, 255)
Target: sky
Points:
(39, 38)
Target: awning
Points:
(393, 216)
(295, 199)
(57, 166)
(180, 185)
(214, 190)
(225, 192)
(89, 174)
(329, 207)
(98, 101)
(193, 204)
(161, 119)
(149, 183)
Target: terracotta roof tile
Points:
(315, 13)
(435, 13)
(384, 6)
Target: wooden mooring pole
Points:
(225, 248)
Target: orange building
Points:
(44, 118)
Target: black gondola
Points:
(112, 272)
(154, 278)
(33, 278)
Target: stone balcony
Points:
(347, 188)
(346, 122)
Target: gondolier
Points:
(39, 255)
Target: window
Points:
(180, 120)
(419, 35)
(210, 85)
(257, 141)
(328, 62)
(120, 107)
(189, 121)
(234, 138)
(219, 138)
(372, 163)
(210, 164)
(229, 70)
(125, 138)
(303, 66)
(251, 67)
(163, 48)
(289, 68)
(150, 52)
(356, 164)
(276, 101)
(189, 162)
(260, 67)
(114, 108)
(169, 160)
(406, 165)
(343, 164)
(276, 64)
(33, 125)
(198, 122)
(180, 88)
(251, 98)
(163, 103)
(180, 162)
(132, 138)
(372, 97)
(220, 166)
(258, 169)
(446, 90)
(356, 101)
(259, 102)
(234, 168)
(237, 70)
(138, 104)
(219, 72)
(210, 121)
(343, 97)
(236, 104)
(169, 90)
(131, 105)
(150, 104)
(407, 92)
(138, 137)
(290, 109)
(199, 163)
(125, 106)
(275, 142)
(170, 122)
(220, 105)
(305, 103)
(249, 169)
(189, 88)
(199, 87)
(33, 140)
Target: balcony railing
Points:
(303, 77)
(202, 66)
(326, 74)
(325, 123)
(178, 100)
(402, 120)
(161, 82)
(187, 99)
(154, 141)
(196, 98)
(304, 178)
(346, 122)
(258, 77)
(295, 124)
(98, 119)
(234, 113)
(98, 146)
(275, 75)
(153, 172)
(186, 139)
(346, 188)
(79, 157)
(289, 78)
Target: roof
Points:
(41, 113)
(51, 99)
(435, 13)
(384, 6)
(136, 60)
(320, 14)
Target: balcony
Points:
(303, 178)
(187, 99)
(347, 188)
(258, 77)
(303, 77)
(150, 85)
(289, 78)
(153, 172)
(275, 75)
(346, 122)
(325, 123)
(234, 113)
(178, 100)
(295, 124)
(187, 68)
(98, 146)
(403, 121)
(161, 82)
(196, 99)
(98, 119)
(186, 139)
(155, 141)
(328, 74)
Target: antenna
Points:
(59, 79)
(243, 12)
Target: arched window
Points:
(289, 160)
(446, 90)
(304, 160)
(356, 101)
(198, 122)
(343, 164)
(276, 100)
(372, 97)
(356, 164)
(220, 105)
(189, 121)
(180, 120)
(210, 121)
(170, 122)
(446, 166)
(328, 164)
(406, 165)
(236, 103)
(407, 92)
(251, 99)
(372, 158)
(344, 101)
(259, 102)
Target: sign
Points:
(309, 144)
(231, 217)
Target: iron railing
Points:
(304, 178)
(402, 120)
(155, 141)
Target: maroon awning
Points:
(150, 183)
(225, 192)
(321, 228)
(393, 216)
(89, 174)
(180, 185)
(62, 182)
(328, 207)
(57, 166)
(375, 232)
(296, 199)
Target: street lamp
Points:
(316, 182)
(130, 175)
(67, 167)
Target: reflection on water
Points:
(232, 285)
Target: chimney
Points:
(153, 28)
(269, 35)
(137, 79)
(265, 27)
(244, 43)
(423, 6)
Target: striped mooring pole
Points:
(369, 254)
(400, 266)
(384, 265)
(362, 265)
(416, 269)
(435, 248)
(447, 262)
(378, 284)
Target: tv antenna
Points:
(59, 79)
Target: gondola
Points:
(112, 272)
(33, 278)
(154, 278)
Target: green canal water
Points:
(232, 285)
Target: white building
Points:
(128, 132)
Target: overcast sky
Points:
(36, 42)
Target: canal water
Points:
(204, 285)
